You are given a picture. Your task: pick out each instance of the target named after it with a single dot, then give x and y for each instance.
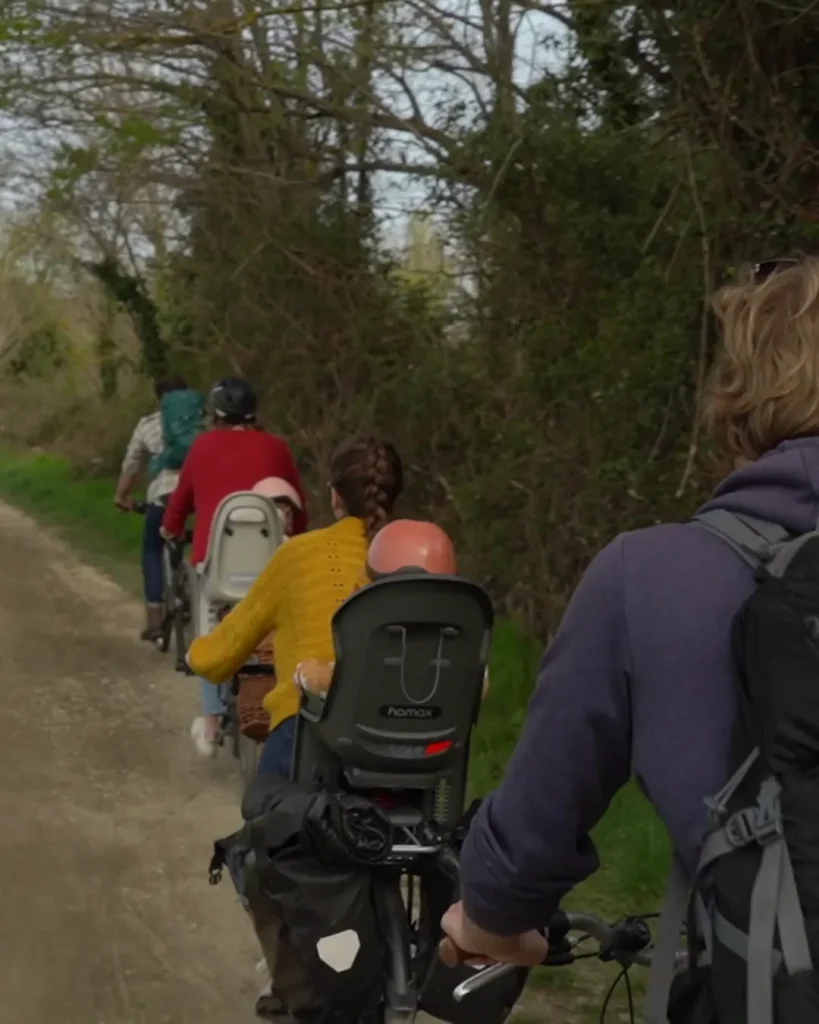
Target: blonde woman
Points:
(640, 677)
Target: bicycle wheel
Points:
(163, 641)
(181, 614)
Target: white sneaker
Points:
(199, 735)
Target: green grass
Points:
(633, 846)
(80, 508)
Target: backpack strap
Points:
(754, 540)
(664, 954)
(775, 900)
(775, 906)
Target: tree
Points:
(223, 169)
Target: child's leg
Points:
(205, 728)
(213, 697)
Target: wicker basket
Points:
(254, 721)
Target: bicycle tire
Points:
(181, 608)
(179, 638)
(164, 641)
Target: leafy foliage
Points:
(226, 167)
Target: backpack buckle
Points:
(769, 831)
(761, 825)
(740, 829)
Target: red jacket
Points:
(220, 462)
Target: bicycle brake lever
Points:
(482, 976)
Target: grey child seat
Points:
(244, 535)
(411, 652)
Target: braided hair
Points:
(368, 477)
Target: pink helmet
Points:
(276, 489)
(411, 544)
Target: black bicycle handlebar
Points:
(627, 941)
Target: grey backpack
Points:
(751, 909)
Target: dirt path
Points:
(106, 814)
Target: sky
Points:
(538, 50)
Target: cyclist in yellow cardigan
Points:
(303, 585)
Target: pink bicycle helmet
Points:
(276, 489)
(411, 544)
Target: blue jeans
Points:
(277, 752)
(152, 545)
(213, 697)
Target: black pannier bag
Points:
(752, 908)
(308, 855)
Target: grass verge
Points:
(633, 846)
(79, 508)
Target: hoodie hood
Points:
(782, 487)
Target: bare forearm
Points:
(126, 482)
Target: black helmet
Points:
(233, 400)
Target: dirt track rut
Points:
(107, 816)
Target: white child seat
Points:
(244, 535)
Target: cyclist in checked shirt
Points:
(145, 443)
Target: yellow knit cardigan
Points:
(296, 597)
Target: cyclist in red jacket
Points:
(234, 456)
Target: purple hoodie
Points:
(638, 681)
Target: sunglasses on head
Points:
(767, 268)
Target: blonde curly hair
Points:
(764, 384)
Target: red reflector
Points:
(437, 748)
(384, 800)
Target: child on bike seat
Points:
(288, 504)
(401, 546)
(286, 500)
